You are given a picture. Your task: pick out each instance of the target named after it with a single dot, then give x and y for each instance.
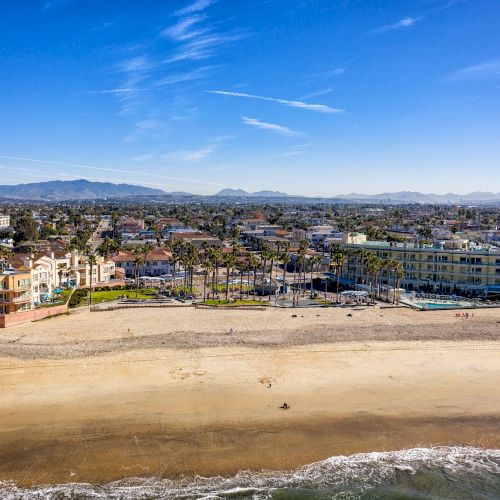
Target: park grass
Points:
(110, 295)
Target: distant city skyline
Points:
(309, 97)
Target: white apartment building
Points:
(4, 221)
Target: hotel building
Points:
(450, 267)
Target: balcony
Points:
(26, 288)
(15, 300)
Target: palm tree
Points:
(207, 269)
(229, 261)
(91, 261)
(242, 267)
(138, 260)
(236, 246)
(399, 273)
(374, 265)
(158, 235)
(340, 260)
(285, 258)
(303, 245)
(253, 264)
(264, 255)
(193, 259)
(217, 260)
(146, 250)
(315, 261)
(61, 270)
(107, 247)
(272, 257)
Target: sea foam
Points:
(453, 469)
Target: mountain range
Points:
(87, 190)
(74, 190)
(245, 194)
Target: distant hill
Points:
(397, 197)
(245, 194)
(416, 197)
(74, 190)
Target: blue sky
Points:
(314, 97)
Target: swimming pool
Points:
(424, 305)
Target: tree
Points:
(338, 258)
(264, 255)
(303, 246)
(91, 261)
(107, 247)
(253, 264)
(399, 272)
(229, 262)
(61, 271)
(138, 260)
(146, 250)
(315, 261)
(5, 253)
(26, 229)
(285, 259)
(207, 269)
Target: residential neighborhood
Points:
(290, 253)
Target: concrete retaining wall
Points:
(33, 315)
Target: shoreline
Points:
(126, 450)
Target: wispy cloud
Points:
(182, 29)
(406, 22)
(320, 108)
(52, 4)
(197, 40)
(202, 46)
(119, 90)
(143, 157)
(183, 77)
(196, 6)
(106, 169)
(103, 26)
(140, 128)
(194, 155)
(481, 71)
(297, 149)
(272, 127)
(318, 93)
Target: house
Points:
(158, 262)
(198, 239)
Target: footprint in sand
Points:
(179, 373)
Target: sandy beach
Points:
(102, 396)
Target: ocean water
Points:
(419, 473)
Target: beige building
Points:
(452, 267)
(4, 221)
(15, 291)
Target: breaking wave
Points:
(441, 472)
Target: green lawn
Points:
(109, 295)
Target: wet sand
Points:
(81, 402)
